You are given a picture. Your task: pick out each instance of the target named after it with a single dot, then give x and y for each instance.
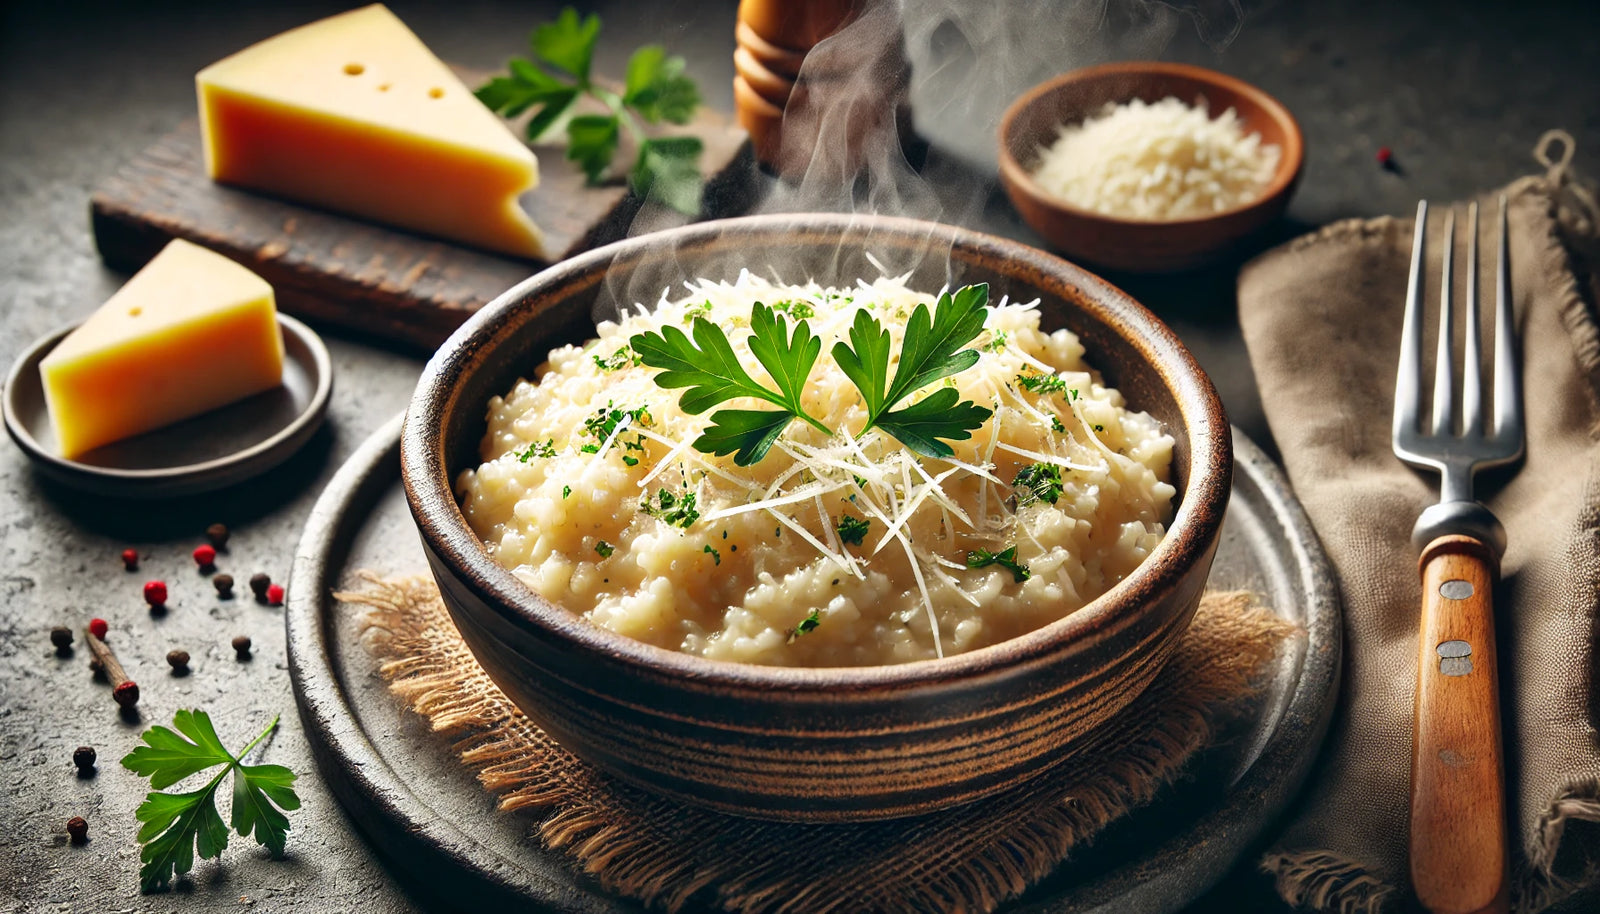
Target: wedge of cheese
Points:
(190, 332)
(355, 114)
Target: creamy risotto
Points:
(834, 549)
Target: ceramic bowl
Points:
(840, 744)
(1034, 120)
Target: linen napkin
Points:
(672, 856)
(1321, 316)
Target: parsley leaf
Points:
(1042, 383)
(1038, 482)
(545, 448)
(716, 557)
(657, 89)
(604, 549)
(807, 625)
(1007, 559)
(853, 530)
(568, 42)
(673, 510)
(176, 826)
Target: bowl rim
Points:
(1290, 164)
(450, 541)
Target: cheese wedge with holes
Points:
(190, 332)
(353, 113)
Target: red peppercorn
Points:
(126, 694)
(130, 559)
(1385, 155)
(98, 628)
(275, 594)
(155, 593)
(205, 556)
(78, 829)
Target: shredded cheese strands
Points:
(934, 510)
(1160, 161)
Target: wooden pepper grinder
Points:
(786, 113)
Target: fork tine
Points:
(1408, 380)
(1472, 359)
(1507, 377)
(1444, 375)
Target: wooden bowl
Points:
(1034, 120)
(832, 744)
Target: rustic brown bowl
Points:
(839, 744)
(1033, 120)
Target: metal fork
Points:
(1458, 809)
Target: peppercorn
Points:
(126, 694)
(275, 595)
(178, 660)
(78, 829)
(61, 637)
(204, 556)
(224, 585)
(84, 757)
(130, 559)
(155, 593)
(98, 628)
(259, 582)
(241, 646)
(218, 535)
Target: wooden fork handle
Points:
(1458, 806)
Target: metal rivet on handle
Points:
(1455, 657)
(1455, 589)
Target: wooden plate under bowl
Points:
(1136, 245)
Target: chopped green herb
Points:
(853, 529)
(1055, 425)
(1007, 559)
(622, 358)
(1098, 427)
(716, 557)
(604, 548)
(673, 510)
(656, 89)
(797, 309)
(1038, 482)
(808, 624)
(630, 461)
(998, 340)
(566, 491)
(545, 448)
(1042, 383)
(931, 351)
(1072, 394)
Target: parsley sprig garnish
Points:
(853, 529)
(177, 825)
(1037, 482)
(1007, 559)
(676, 510)
(667, 168)
(932, 349)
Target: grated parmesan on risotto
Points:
(1160, 161)
(833, 550)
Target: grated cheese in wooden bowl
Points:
(1157, 161)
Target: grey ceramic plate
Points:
(428, 814)
(207, 452)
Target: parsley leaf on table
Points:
(175, 826)
(656, 89)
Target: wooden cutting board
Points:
(370, 278)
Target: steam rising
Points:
(906, 73)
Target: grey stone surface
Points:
(1459, 91)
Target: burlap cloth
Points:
(970, 859)
(1322, 316)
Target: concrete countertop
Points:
(1459, 91)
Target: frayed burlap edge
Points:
(672, 856)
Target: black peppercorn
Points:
(61, 637)
(78, 829)
(218, 535)
(84, 757)
(259, 582)
(224, 585)
(241, 646)
(178, 660)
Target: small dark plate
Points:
(210, 451)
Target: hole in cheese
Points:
(354, 69)
(436, 92)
